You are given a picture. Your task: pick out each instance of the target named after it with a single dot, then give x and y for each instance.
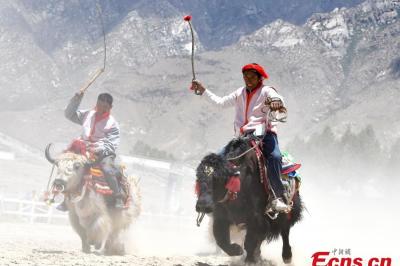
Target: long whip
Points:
(188, 18)
(102, 69)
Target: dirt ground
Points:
(24, 243)
(335, 219)
(40, 244)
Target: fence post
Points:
(32, 218)
(49, 214)
(20, 207)
(1, 205)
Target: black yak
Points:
(247, 207)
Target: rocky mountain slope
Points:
(337, 68)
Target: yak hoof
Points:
(118, 249)
(86, 248)
(250, 260)
(287, 255)
(287, 260)
(254, 258)
(235, 250)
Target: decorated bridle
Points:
(232, 186)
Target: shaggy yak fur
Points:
(89, 213)
(249, 207)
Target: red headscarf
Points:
(257, 68)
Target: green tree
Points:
(142, 149)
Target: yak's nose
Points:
(59, 185)
(205, 204)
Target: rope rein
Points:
(244, 153)
(50, 177)
(200, 217)
(81, 196)
(273, 114)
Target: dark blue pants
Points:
(273, 159)
(110, 174)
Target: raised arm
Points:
(225, 101)
(72, 113)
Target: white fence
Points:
(168, 184)
(33, 210)
(7, 155)
(37, 211)
(145, 162)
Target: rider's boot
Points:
(115, 187)
(278, 205)
(119, 203)
(281, 204)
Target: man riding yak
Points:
(250, 117)
(99, 139)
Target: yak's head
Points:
(239, 150)
(71, 168)
(212, 175)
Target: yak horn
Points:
(47, 154)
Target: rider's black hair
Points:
(105, 97)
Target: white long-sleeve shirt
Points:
(248, 107)
(101, 132)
